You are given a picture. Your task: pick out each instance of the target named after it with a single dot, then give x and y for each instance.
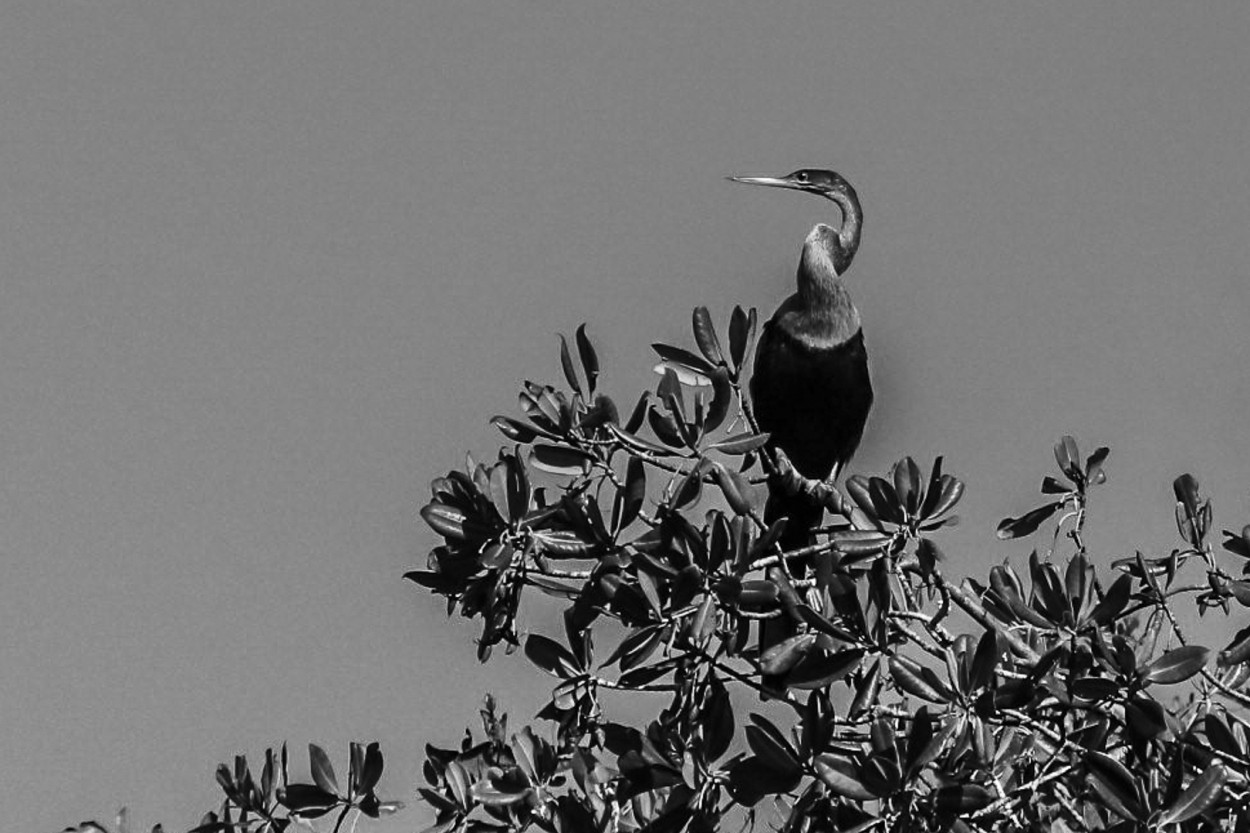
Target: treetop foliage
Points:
(1057, 695)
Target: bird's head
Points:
(828, 184)
(842, 245)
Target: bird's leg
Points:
(787, 476)
(822, 492)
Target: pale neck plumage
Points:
(828, 315)
(819, 276)
(852, 223)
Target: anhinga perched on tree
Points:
(810, 387)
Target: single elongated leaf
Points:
(560, 459)
(322, 769)
(866, 691)
(639, 413)
(820, 623)
(717, 719)
(1241, 591)
(750, 780)
(933, 490)
(772, 750)
(680, 356)
(703, 623)
(638, 647)
(1238, 544)
(267, 775)
(1114, 602)
(860, 542)
(741, 334)
(1068, 458)
(923, 744)
(517, 431)
(566, 364)
(665, 428)
(1114, 784)
(985, 660)
(590, 361)
(668, 391)
(525, 754)
(1185, 488)
(963, 798)
(1077, 578)
(551, 587)
(307, 800)
(1027, 523)
(452, 523)
(881, 774)
(629, 499)
(551, 656)
(355, 761)
(1051, 486)
(949, 493)
(818, 671)
(740, 443)
(917, 680)
(690, 488)
(642, 676)
(1177, 665)
(753, 593)
(857, 486)
(490, 794)
(564, 543)
(842, 777)
(1238, 651)
(499, 492)
(907, 484)
(918, 740)
(705, 336)
(1221, 737)
(1197, 797)
(785, 655)
(371, 769)
(637, 444)
(739, 493)
(1093, 465)
(1095, 688)
(722, 398)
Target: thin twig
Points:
(973, 608)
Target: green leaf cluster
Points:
(1058, 696)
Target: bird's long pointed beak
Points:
(769, 181)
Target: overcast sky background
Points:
(267, 268)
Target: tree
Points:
(1058, 696)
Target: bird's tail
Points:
(803, 517)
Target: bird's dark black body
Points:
(812, 400)
(810, 387)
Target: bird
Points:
(810, 386)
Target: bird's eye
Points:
(801, 176)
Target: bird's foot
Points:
(821, 492)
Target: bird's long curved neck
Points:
(826, 256)
(852, 223)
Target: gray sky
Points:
(267, 268)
